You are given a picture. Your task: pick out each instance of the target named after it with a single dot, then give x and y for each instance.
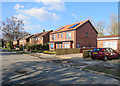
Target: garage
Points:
(111, 41)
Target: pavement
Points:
(23, 69)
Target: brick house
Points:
(16, 42)
(25, 40)
(77, 35)
(111, 41)
(40, 38)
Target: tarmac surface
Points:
(23, 69)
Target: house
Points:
(24, 41)
(16, 42)
(111, 41)
(40, 38)
(77, 35)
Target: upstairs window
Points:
(61, 35)
(89, 45)
(58, 35)
(68, 35)
(40, 37)
(86, 34)
(53, 37)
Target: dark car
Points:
(104, 53)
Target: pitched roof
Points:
(41, 34)
(28, 36)
(35, 35)
(109, 36)
(71, 26)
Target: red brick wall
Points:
(38, 41)
(46, 38)
(81, 36)
(21, 42)
(15, 42)
(64, 36)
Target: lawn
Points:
(105, 69)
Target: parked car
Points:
(104, 53)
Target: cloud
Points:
(33, 28)
(53, 4)
(23, 17)
(18, 6)
(40, 13)
(74, 15)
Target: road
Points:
(23, 69)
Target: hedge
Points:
(67, 51)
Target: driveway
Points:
(24, 69)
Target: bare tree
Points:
(100, 27)
(113, 27)
(12, 28)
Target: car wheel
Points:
(105, 58)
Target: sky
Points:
(39, 15)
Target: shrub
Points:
(21, 47)
(45, 47)
(10, 45)
(45, 52)
(27, 47)
(33, 50)
(32, 47)
(48, 52)
(39, 47)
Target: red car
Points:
(104, 53)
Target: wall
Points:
(81, 36)
(64, 36)
(100, 44)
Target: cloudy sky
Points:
(39, 15)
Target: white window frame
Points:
(66, 45)
(68, 35)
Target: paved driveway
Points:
(23, 69)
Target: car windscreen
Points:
(97, 49)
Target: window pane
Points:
(78, 45)
(61, 35)
(51, 46)
(66, 45)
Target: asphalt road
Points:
(23, 69)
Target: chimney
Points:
(43, 30)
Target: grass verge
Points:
(105, 69)
(17, 51)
